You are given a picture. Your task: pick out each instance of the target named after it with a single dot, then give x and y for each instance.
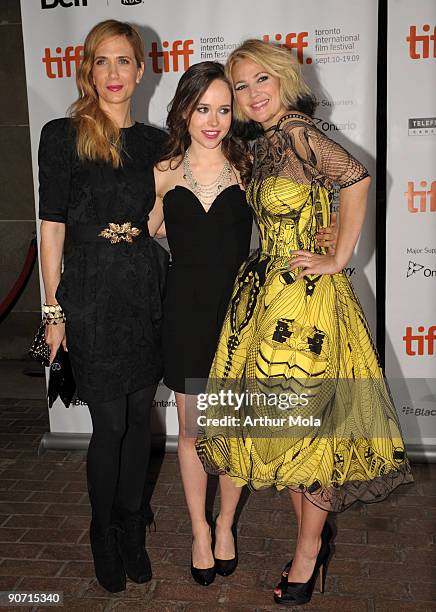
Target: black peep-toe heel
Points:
(299, 593)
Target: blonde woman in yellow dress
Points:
(313, 412)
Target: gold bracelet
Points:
(51, 308)
(52, 314)
(54, 321)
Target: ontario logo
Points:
(414, 268)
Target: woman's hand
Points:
(312, 263)
(55, 336)
(327, 237)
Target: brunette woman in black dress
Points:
(208, 225)
(97, 186)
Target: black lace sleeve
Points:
(327, 156)
(54, 159)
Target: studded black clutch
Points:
(39, 348)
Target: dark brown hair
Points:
(192, 85)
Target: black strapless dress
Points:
(207, 250)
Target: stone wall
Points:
(17, 208)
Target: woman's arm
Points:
(352, 205)
(51, 249)
(54, 159)
(156, 225)
(337, 165)
(161, 232)
(156, 219)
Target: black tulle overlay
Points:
(306, 338)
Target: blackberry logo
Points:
(424, 412)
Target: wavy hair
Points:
(192, 85)
(98, 137)
(277, 61)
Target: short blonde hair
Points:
(278, 62)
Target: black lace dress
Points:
(109, 292)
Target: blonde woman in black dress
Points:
(96, 186)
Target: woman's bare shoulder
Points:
(167, 174)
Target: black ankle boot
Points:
(131, 543)
(108, 565)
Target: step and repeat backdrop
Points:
(336, 43)
(411, 217)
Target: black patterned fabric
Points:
(109, 292)
(316, 415)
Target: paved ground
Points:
(384, 553)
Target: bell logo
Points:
(59, 66)
(166, 60)
(426, 199)
(49, 4)
(420, 344)
(293, 40)
(420, 45)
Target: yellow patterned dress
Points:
(296, 396)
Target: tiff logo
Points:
(293, 40)
(419, 45)
(426, 199)
(420, 343)
(166, 60)
(59, 66)
(48, 4)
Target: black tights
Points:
(118, 455)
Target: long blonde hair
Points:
(277, 61)
(98, 137)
